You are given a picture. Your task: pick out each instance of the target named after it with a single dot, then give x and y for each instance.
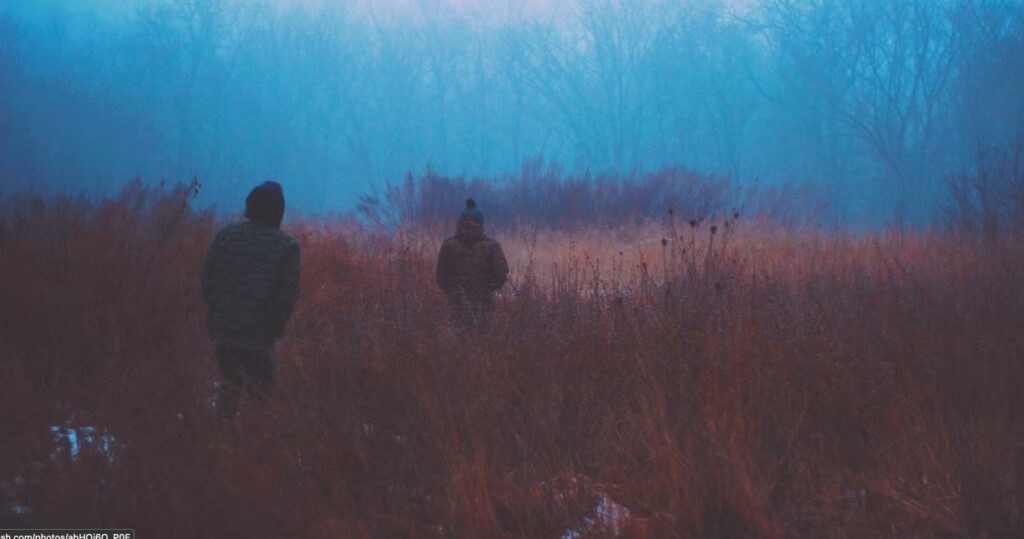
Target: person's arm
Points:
(499, 267)
(444, 269)
(287, 288)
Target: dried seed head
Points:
(693, 223)
(671, 211)
(735, 215)
(664, 242)
(714, 229)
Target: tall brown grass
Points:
(750, 382)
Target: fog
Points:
(875, 103)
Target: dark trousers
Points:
(251, 369)
(470, 312)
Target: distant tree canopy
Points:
(876, 103)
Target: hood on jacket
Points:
(265, 204)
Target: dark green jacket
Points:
(250, 284)
(471, 265)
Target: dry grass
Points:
(753, 383)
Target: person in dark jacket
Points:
(250, 282)
(471, 268)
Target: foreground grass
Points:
(749, 382)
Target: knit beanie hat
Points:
(265, 204)
(471, 212)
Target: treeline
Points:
(544, 195)
(876, 103)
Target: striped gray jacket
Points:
(250, 282)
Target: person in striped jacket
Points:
(250, 282)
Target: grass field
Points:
(647, 381)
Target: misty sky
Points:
(877, 106)
(409, 8)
